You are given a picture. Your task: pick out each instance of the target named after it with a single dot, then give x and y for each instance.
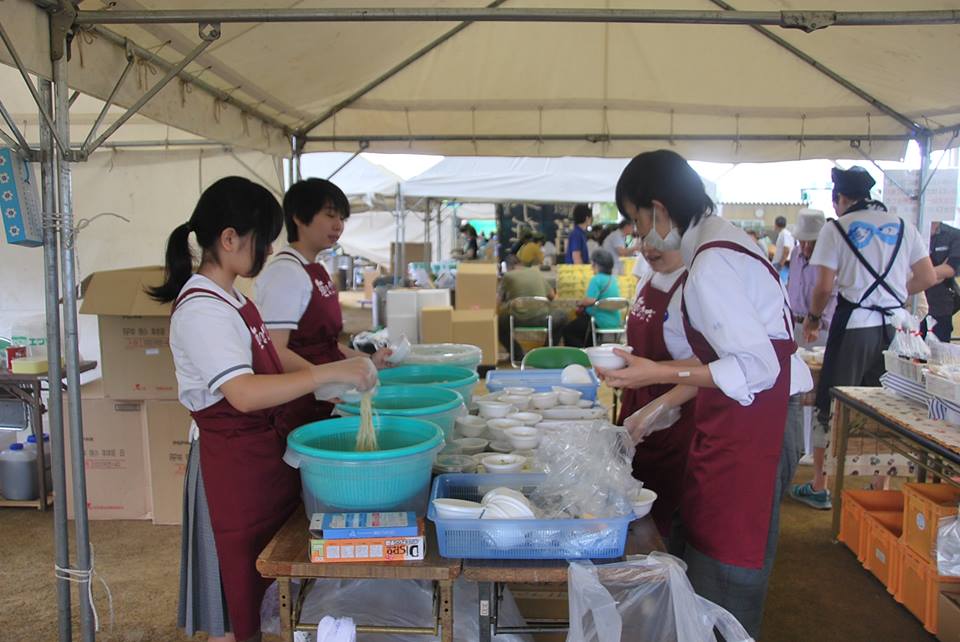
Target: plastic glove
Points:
(655, 416)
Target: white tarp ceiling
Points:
(534, 88)
(542, 180)
(367, 185)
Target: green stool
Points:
(555, 358)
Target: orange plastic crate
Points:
(924, 505)
(919, 587)
(882, 549)
(854, 503)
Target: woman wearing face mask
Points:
(738, 323)
(659, 417)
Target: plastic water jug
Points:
(32, 445)
(18, 473)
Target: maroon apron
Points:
(660, 458)
(316, 337)
(251, 492)
(732, 464)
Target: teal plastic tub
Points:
(337, 478)
(462, 355)
(429, 403)
(463, 380)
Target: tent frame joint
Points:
(808, 21)
(62, 22)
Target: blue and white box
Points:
(19, 200)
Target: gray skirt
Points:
(203, 605)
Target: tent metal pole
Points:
(12, 124)
(363, 146)
(208, 34)
(829, 73)
(33, 90)
(390, 73)
(402, 250)
(439, 234)
(71, 337)
(799, 19)
(61, 535)
(601, 138)
(396, 238)
(923, 178)
(163, 63)
(25, 152)
(106, 105)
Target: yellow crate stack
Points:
(572, 281)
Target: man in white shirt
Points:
(785, 243)
(876, 260)
(616, 244)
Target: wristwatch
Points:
(814, 317)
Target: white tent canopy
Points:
(367, 185)
(538, 87)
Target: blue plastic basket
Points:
(523, 539)
(540, 380)
(463, 380)
(336, 477)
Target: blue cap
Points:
(16, 446)
(32, 439)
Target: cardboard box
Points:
(477, 286)
(393, 549)
(412, 253)
(949, 617)
(478, 328)
(19, 200)
(436, 325)
(167, 426)
(114, 456)
(369, 276)
(135, 352)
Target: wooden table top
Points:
(7, 377)
(642, 539)
(287, 555)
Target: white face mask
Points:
(653, 240)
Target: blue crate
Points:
(520, 539)
(540, 380)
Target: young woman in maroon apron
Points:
(736, 468)
(299, 301)
(661, 456)
(246, 489)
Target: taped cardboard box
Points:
(115, 457)
(168, 428)
(477, 286)
(477, 328)
(135, 352)
(436, 324)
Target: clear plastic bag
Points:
(589, 471)
(948, 546)
(645, 597)
(907, 341)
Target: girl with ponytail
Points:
(238, 491)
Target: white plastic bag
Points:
(948, 546)
(645, 597)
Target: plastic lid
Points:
(16, 446)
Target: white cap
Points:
(809, 224)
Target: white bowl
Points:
(643, 502)
(512, 507)
(503, 490)
(505, 463)
(567, 396)
(501, 447)
(494, 409)
(526, 418)
(524, 437)
(449, 508)
(575, 414)
(603, 356)
(400, 350)
(575, 373)
(458, 463)
(490, 396)
(584, 403)
(498, 427)
(523, 391)
(470, 425)
(543, 400)
(520, 402)
(471, 445)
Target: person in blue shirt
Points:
(577, 251)
(603, 285)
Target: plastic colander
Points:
(463, 380)
(336, 477)
(440, 406)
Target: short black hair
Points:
(780, 221)
(603, 260)
(664, 176)
(625, 222)
(581, 213)
(305, 198)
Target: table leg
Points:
(286, 609)
(36, 420)
(446, 611)
(486, 597)
(841, 428)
